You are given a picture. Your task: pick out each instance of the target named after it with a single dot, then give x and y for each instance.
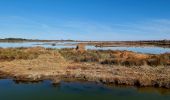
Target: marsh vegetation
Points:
(104, 66)
(124, 58)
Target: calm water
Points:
(33, 44)
(76, 91)
(152, 50)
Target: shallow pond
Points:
(151, 50)
(59, 45)
(9, 90)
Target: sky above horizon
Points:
(85, 19)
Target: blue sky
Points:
(85, 19)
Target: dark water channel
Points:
(9, 90)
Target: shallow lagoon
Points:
(59, 45)
(9, 90)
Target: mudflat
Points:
(108, 67)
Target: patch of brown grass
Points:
(86, 56)
(9, 54)
(124, 58)
(156, 60)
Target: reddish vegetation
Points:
(125, 58)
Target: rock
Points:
(80, 47)
(56, 81)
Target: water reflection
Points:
(9, 90)
(160, 91)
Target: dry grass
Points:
(91, 65)
(11, 54)
(48, 63)
(70, 54)
(157, 60)
(124, 58)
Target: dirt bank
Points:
(68, 64)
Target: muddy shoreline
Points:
(56, 79)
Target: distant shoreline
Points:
(42, 40)
(158, 43)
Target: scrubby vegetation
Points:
(86, 56)
(124, 58)
(70, 54)
(9, 54)
(156, 60)
(104, 57)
